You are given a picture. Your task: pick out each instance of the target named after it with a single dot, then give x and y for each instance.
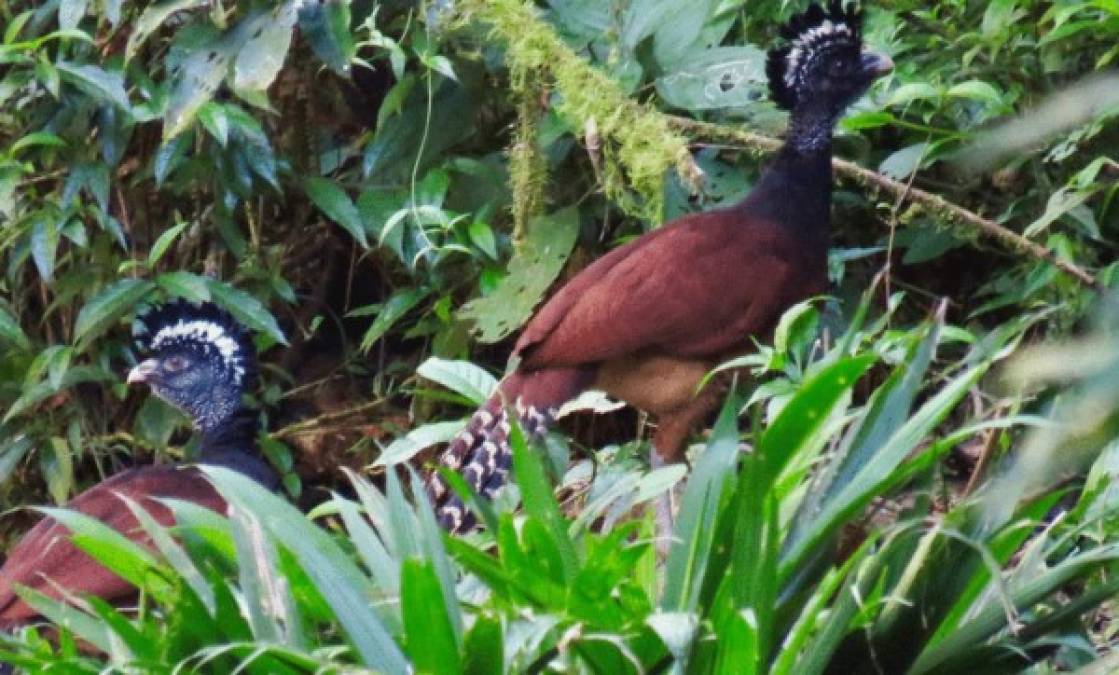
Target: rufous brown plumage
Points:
(650, 319)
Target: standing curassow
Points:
(648, 320)
(201, 361)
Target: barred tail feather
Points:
(482, 455)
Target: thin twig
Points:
(316, 423)
(953, 212)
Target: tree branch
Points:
(316, 424)
(867, 178)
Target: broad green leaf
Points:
(39, 392)
(246, 309)
(711, 79)
(13, 449)
(914, 91)
(391, 311)
(152, 18)
(101, 84)
(811, 406)
(977, 90)
(326, 26)
(535, 265)
(128, 559)
(903, 163)
(539, 501)
(169, 155)
(587, 18)
(166, 238)
(336, 204)
(182, 284)
(70, 12)
(213, 117)
(171, 551)
(110, 304)
(404, 448)
(693, 536)
(257, 567)
(36, 139)
(196, 81)
(462, 377)
(64, 615)
(262, 55)
(431, 641)
(44, 245)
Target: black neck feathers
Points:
(794, 191)
(232, 445)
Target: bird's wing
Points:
(46, 560)
(697, 287)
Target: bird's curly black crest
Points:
(203, 326)
(808, 33)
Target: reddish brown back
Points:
(46, 560)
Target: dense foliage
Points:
(383, 191)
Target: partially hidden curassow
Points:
(648, 320)
(201, 361)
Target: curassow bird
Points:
(201, 361)
(648, 320)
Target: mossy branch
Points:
(638, 144)
(935, 204)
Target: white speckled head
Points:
(201, 359)
(822, 63)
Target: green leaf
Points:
(47, 74)
(113, 302)
(10, 330)
(462, 377)
(430, 637)
(64, 615)
(169, 155)
(36, 139)
(262, 55)
(405, 447)
(716, 78)
(391, 311)
(901, 164)
(152, 18)
(99, 83)
(212, 116)
(868, 483)
(539, 501)
(197, 79)
(128, 559)
(44, 245)
(693, 536)
(326, 26)
(535, 265)
(336, 204)
(70, 13)
(977, 90)
(913, 91)
(187, 285)
(246, 309)
(810, 408)
(335, 576)
(166, 238)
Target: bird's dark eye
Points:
(837, 68)
(174, 364)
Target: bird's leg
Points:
(668, 448)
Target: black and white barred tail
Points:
(481, 454)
